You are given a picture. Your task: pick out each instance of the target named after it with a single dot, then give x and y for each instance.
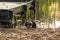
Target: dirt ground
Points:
(30, 34)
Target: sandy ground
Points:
(30, 34)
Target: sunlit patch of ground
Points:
(45, 25)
